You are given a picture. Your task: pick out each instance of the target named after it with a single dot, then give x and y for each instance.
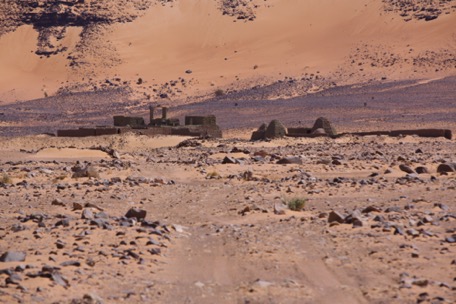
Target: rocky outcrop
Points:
(52, 18)
(240, 9)
(420, 9)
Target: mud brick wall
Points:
(419, 132)
(122, 121)
(298, 131)
(200, 120)
(106, 131)
(76, 133)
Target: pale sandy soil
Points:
(219, 237)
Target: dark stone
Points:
(13, 256)
(354, 216)
(337, 162)
(398, 230)
(406, 169)
(290, 160)
(14, 278)
(447, 167)
(100, 223)
(422, 170)
(335, 216)
(379, 218)
(58, 202)
(393, 209)
(370, 209)
(229, 160)
(139, 214)
(155, 251)
(70, 263)
(60, 244)
(63, 222)
(413, 232)
(451, 239)
(357, 223)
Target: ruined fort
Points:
(196, 126)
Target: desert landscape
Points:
(283, 208)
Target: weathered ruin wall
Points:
(200, 120)
(76, 133)
(298, 131)
(424, 133)
(123, 121)
(106, 131)
(152, 131)
(84, 132)
(419, 132)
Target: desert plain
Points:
(130, 218)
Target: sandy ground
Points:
(221, 233)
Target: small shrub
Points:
(219, 92)
(92, 172)
(296, 204)
(213, 175)
(59, 178)
(6, 179)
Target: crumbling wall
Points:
(209, 120)
(446, 133)
(123, 121)
(85, 132)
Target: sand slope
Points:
(341, 42)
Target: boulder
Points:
(13, 256)
(421, 170)
(406, 169)
(290, 160)
(335, 216)
(137, 213)
(447, 167)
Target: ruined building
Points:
(197, 126)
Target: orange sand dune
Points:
(345, 42)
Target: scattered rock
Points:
(335, 216)
(279, 210)
(58, 202)
(290, 160)
(406, 169)
(422, 170)
(13, 256)
(229, 160)
(447, 167)
(87, 214)
(136, 213)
